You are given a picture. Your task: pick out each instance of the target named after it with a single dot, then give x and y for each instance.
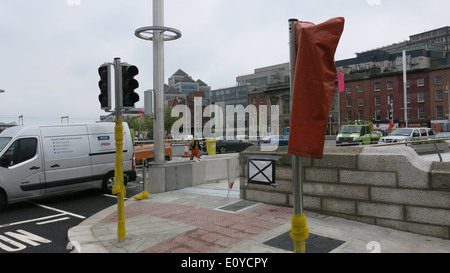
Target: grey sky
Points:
(51, 49)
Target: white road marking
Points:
(52, 221)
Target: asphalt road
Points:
(41, 225)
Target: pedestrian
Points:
(194, 146)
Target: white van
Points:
(38, 161)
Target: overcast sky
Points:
(51, 49)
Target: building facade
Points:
(184, 83)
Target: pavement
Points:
(211, 218)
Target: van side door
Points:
(66, 159)
(21, 170)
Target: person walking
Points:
(194, 146)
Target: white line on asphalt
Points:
(52, 221)
(113, 196)
(31, 220)
(58, 210)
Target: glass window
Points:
(360, 102)
(420, 82)
(421, 97)
(377, 100)
(390, 85)
(439, 95)
(439, 111)
(377, 114)
(20, 151)
(438, 80)
(4, 141)
(421, 112)
(377, 86)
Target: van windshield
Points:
(350, 129)
(3, 142)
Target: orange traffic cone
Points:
(186, 152)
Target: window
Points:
(377, 86)
(390, 99)
(360, 102)
(254, 100)
(20, 151)
(377, 100)
(438, 80)
(439, 95)
(361, 115)
(349, 115)
(261, 100)
(408, 98)
(359, 88)
(349, 102)
(420, 82)
(408, 84)
(439, 111)
(377, 114)
(348, 90)
(421, 97)
(421, 112)
(390, 85)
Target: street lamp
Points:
(448, 97)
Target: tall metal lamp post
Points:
(158, 34)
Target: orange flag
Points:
(314, 83)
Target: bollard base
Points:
(142, 196)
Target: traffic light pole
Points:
(119, 187)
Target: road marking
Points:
(113, 196)
(52, 221)
(31, 220)
(58, 210)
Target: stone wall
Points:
(386, 186)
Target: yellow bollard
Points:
(119, 187)
(299, 232)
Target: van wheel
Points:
(108, 183)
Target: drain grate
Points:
(237, 206)
(314, 244)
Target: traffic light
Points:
(129, 84)
(105, 87)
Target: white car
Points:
(407, 134)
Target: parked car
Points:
(229, 145)
(443, 135)
(280, 140)
(408, 134)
